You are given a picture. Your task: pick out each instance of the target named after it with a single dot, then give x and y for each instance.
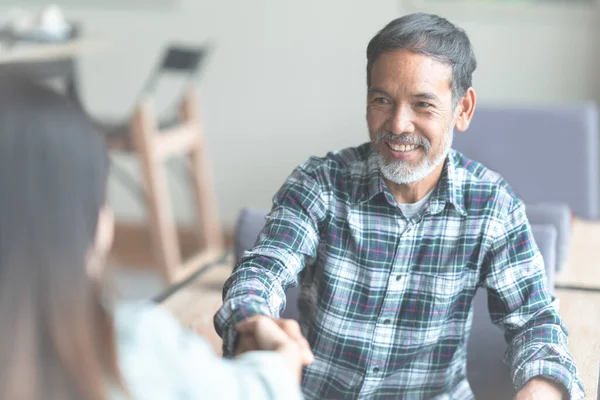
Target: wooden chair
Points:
(153, 148)
(153, 144)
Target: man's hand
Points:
(246, 342)
(283, 336)
(540, 389)
(264, 333)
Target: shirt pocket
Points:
(429, 304)
(372, 239)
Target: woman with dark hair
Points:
(57, 339)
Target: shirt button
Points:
(376, 370)
(398, 277)
(387, 321)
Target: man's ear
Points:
(465, 109)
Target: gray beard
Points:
(402, 173)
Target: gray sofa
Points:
(547, 154)
(488, 375)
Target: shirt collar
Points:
(373, 183)
(448, 189)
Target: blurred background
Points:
(286, 79)
(281, 80)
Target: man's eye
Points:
(423, 104)
(382, 100)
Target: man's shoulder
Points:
(484, 190)
(338, 175)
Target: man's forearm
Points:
(542, 388)
(542, 352)
(252, 289)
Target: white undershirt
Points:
(411, 209)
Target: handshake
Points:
(279, 335)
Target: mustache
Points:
(404, 138)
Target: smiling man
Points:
(390, 240)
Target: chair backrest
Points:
(182, 63)
(547, 154)
(486, 345)
(558, 215)
(249, 224)
(179, 60)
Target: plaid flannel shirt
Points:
(386, 302)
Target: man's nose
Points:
(402, 120)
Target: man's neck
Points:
(413, 192)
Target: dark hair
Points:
(56, 339)
(433, 36)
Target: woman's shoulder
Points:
(145, 327)
(155, 349)
(160, 358)
(136, 318)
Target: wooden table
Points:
(196, 303)
(23, 53)
(580, 311)
(582, 268)
(579, 294)
(55, 61)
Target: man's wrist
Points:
(561, 389)
(564, 375)
(230, 314)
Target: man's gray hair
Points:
(430, 35)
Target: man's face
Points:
(409, 114)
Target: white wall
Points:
(531, 54)
(286, 79)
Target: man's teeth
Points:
(402, 147)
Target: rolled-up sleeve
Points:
(520, 303)
(286, 244)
